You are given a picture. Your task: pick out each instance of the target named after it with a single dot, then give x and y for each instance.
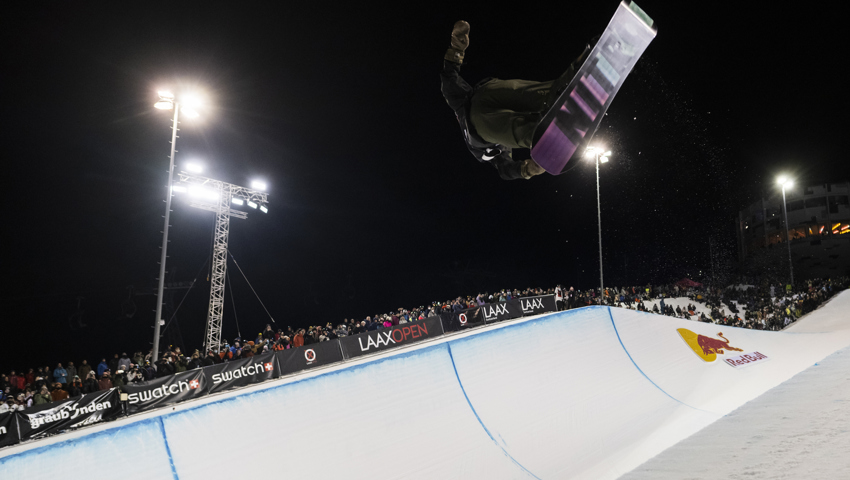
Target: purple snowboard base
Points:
(570, 124)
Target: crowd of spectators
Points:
(767, 306)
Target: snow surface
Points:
(588, 393)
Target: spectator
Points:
(101, 368)
(113, 364)
(75, 388)
(58, 392)
(124, 362)
(105, 382)
(42, 397)
(60, 375)
(119, 380)
(90, 384)
(83, 371)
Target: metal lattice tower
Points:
(217, 196)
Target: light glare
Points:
(264, 209)
(194, 167)
(178, 189)
(238, 201)
(256, 184)
(252, 204)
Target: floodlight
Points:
(201, 192)
(252, 204)
(258, 185)
(238, 201)
(603, 159)
(789, 183)
(781, 180)
(264, 209)
(607, 154)
(166, 101)
(178, 189)
(193, 167)
(189, 112)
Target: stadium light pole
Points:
(786, 182)
(601, 156)
(166, 102)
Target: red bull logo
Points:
(706, 348)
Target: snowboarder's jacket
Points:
(458, 94)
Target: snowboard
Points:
(567, 128)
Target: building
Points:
(818, 225)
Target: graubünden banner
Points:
(166, 390)
(8, 429)
(50, 418)
(497, 312)
(309, 356)
(537, 305)
(386, 338)
(242, 372)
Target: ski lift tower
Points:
(218, 197)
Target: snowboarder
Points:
(496, 115)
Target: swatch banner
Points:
(385, 338)
(166, 390)
(241, 373)
(497, 312)
(537, 305)
(51, 418)
(471, 317)
(8, 429)
(309, 356)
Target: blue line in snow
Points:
(449, 347)
(168, 450)
(642, 372)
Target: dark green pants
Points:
(507, 111)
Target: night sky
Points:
(375, 203)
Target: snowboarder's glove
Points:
(530, 168)
(460, 41)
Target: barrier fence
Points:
(43, 420)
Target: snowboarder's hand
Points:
(530, 168)
(460, 35)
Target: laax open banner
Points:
(378, 340)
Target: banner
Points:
(537, 305)
(496, 312)
(166, 390)
(8, 429)
(50, 418)
(241, 373)
(386, 338)
(471, 317)
(309, 356)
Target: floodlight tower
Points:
(601, 157)
(217, 196)
(786, 182)
(166, 102)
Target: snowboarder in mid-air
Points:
(496, 115)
